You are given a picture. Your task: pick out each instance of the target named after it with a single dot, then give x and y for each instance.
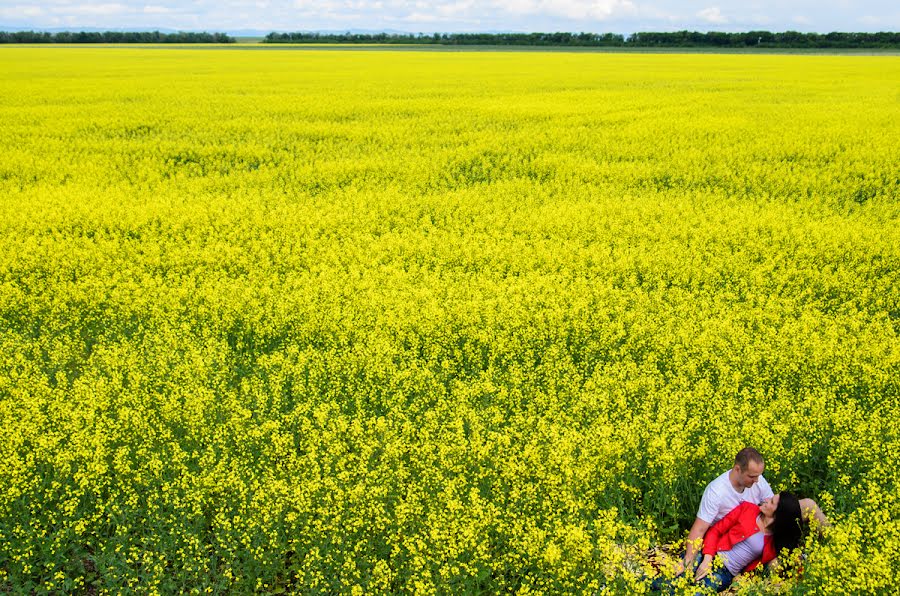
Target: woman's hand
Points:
(703, 568)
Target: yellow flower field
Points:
(438, 322)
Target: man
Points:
(743, 482)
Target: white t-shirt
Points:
(720, 497)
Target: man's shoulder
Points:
(717, 489)
(716, 499)
(719, 483)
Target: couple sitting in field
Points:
(743, 524)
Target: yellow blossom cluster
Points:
(438, 322)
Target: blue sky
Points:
(622, 16)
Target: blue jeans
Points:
(718, 579)
(664, 584)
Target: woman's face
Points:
(768, 506)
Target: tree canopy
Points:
(762, 39)
(113, 37)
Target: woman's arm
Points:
(812, 512)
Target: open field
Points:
(438, 322)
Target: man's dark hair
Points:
(786, 529)
(747, 455)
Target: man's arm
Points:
(812, 512)
(707, 511)
(714, 535)
(694, 541)
(703, 568)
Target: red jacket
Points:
(739, 524)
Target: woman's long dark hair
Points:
(786, 529)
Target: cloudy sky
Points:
(622, 16)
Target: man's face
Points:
(750, 476)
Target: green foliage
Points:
(113, 37)
(715, 39)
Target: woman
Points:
(748, 536)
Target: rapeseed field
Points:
(398, 322)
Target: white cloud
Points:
(421, 17)
(99, 9)
(712, 15)
(570, 9)
(155, 9)
(880, 23)
(452, 9)
(19, 10)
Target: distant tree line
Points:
(113, 37)
(506, 39)
(762, 39)
(786, 39)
